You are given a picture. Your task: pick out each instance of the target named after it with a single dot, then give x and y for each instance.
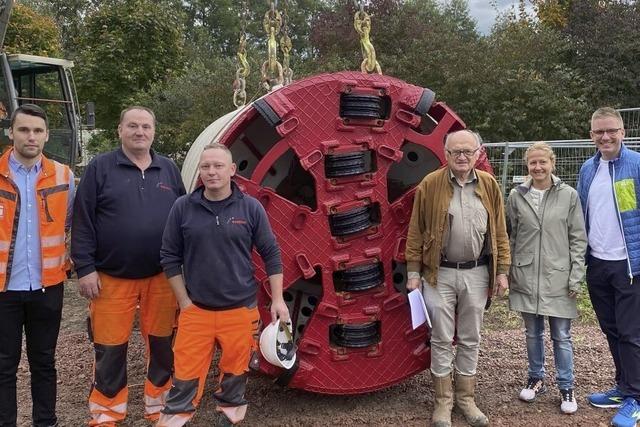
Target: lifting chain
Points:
(242, 72)
(286, 46)
(243, 69)
(362, 24)
(271, 68)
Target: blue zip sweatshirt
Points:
(211, 245)
(625, 173)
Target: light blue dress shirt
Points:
(26, 271)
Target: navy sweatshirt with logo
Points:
(210, 243)
(119, 215)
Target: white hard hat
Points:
(276, 345)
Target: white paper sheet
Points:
(419, 314)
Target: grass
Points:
(585, 309)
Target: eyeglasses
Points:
(600, 132)
(466, 153)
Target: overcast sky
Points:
(485, 12)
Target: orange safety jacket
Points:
(52, 192)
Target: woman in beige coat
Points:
(548, 242)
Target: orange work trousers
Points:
(235, 331)
(111, 317)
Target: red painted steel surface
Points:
(311, 126)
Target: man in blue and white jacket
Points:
(609, 188)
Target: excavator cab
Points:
(46, 82)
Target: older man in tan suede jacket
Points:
(458, 253)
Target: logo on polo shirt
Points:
(163, 186)
(236, 221)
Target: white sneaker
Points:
(535, 386)
(569, 404)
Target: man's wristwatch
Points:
(413, 275)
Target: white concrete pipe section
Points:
(212, 133)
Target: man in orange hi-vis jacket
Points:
(120, 211)
(36, 195)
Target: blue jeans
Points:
(562, 347)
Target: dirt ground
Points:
(502, 372)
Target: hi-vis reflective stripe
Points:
(47, 242)
(60, 174)
(3, 267)
(153, 405)
(53, 262)
(102, 415)
(4, 245)
(173, 420)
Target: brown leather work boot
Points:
(465, 400)
(443, 404)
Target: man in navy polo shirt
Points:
(122, 204)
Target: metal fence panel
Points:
(631, 119)
(507, 159)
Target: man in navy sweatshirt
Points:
(206, 255)
(120, 210)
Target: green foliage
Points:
(127, 46)
(31, 33)
(102, 141)
(553, 13)
(186, 105)
(448, 57)
(585, 308)
(505, 85)
(529, 79)
(605, 50)
(213, 28)
(67, 14)
(526, 92)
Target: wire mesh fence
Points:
(631, 119)
(507, 159)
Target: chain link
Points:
(243, 69)
(362, 24)
(286, 45)
(242, 72)
(271, 68)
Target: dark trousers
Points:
(616, 301)
(39, 313)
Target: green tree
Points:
(68, 16)
(604, 49)
(336, 44)
(214, 27)
(553, 13)
(31, 33)
(187, 104)
(126, 46)
(447, 54)
(527, 92)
